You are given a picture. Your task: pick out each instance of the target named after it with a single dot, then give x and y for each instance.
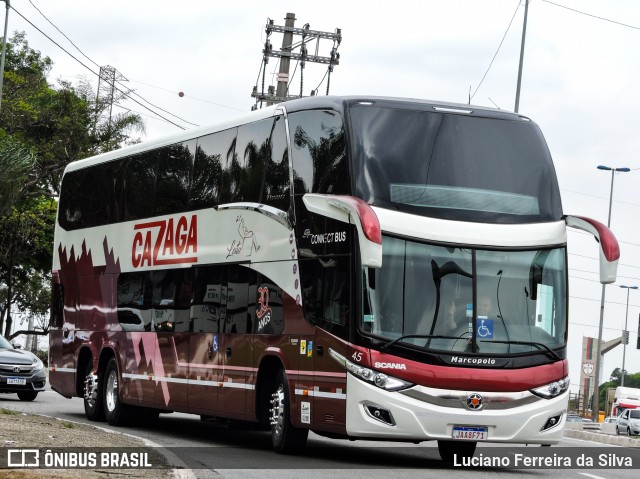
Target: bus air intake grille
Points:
(458, 399)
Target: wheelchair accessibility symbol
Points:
(485, 328)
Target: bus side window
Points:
(276, 186)
(70, 213)
(319, 153)
(139, 185)
(253, 152)
(133, 311)
(326, 292)
(209, 185)
(174, 178)
(238, 319)
(208, 308)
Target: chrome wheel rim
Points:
(112, 391)
(91, 390)
(277, 411)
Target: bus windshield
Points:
(467, 300)
(454, 166)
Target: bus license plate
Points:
(17, 381)
(472, 433)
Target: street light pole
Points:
(595, 399)
(524, 35)
(625, 332)
(4, 47)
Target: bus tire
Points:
(285, 437)
(116, 413)
(447, 449)
(93, 405)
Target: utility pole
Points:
(286, 54)
(107, 80)
(285, 61)
(4, 48)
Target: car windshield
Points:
(467, 300)
(4, 344)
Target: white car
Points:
(629, 422)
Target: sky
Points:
(579, 83)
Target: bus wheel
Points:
(116, 413)
(93, 407)
(447, 449)
(285, 437)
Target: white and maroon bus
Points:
(366, 268)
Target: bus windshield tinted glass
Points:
(453, 166)
(427, 291)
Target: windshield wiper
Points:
(410, 336)
(540, 346)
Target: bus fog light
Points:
(551, 422)
(379, 414)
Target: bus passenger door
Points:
(236, 343)
(207, 310)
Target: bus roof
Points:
(337, 103)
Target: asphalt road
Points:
(218, 450)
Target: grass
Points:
(8, 412)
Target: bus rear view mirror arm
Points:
(609, 248)
(349, 209)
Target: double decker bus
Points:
(364, 268)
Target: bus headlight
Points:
(381, 380)
(553, 389)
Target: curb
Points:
(184, 473)
(613, 440)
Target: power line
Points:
(602, 197)
(496, 54)
(132, 92)
(159, 108)
(62, 33)
(596, 273)
(189, 96)
(591, 15)
(88, 68)
(595, 326)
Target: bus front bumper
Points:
(420, 414)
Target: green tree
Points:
(26, 241)
(16, 166)
(43, 127)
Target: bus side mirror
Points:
(609, 248)
(355, 211)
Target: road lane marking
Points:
(592, 476)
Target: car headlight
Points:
(381, 380)
(37, 365)
(553, 389)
